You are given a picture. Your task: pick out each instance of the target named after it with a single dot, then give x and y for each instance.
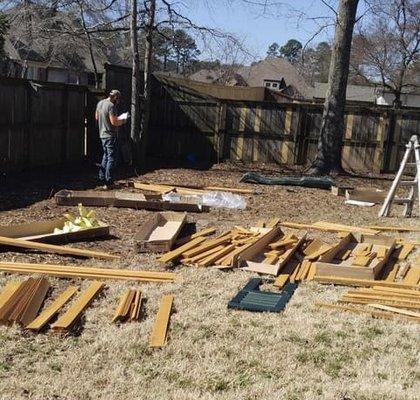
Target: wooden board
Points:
(123, 199)
(51, 248)
(396, 310)
(68, 319)
(42, 319)
(362, 282)
(176, 253)
(359, 310)
(8, 291)
(160, 328)
(87, 272)
(413, 276)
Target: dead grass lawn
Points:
(212, 353)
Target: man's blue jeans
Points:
(109, 159)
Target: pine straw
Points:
(212, 353)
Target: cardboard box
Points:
(160, 231)
(252, 260)
(42, 231)
(328, 265)
(138, 201)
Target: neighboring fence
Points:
(185, 123)
(40, 124)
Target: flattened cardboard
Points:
(366, 195)
(326, 267)
(160, 231)
(137, 201)
(43, 231)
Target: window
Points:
(275, 85)
(267, 84)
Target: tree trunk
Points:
(147, 91)
(328, 158)
(135, 72)
(90, 45)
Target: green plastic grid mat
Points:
(250, 298)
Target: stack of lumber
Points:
(128, 307)
(375, 310)
(302, 267)
(218, 251)
(384, 296)
(382, 302)
(22, 301)
(63, 271)
(163, 188)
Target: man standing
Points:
(108, 121)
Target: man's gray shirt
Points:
(104, 108)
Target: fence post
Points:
(257, 128)
(240, 139)
(28, 126)
(220, 131)
(380, 138)
(65, 123)
(347, 136)
(285, 146)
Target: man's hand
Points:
(115, 121)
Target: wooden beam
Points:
(160, 328)
(396, 310)
(87, 272)
(51, 248)
(67, 320)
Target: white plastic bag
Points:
(211, 199)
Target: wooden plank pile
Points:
(129, 306)
(222, 250)
(390, 301)
(22, 302)
(356, 258)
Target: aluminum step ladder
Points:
(413, 150)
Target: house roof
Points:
(275, 69)
(254, 76)
(353, 93)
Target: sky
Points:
(258, 27)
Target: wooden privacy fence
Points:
(185, 122)
(41, 124)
